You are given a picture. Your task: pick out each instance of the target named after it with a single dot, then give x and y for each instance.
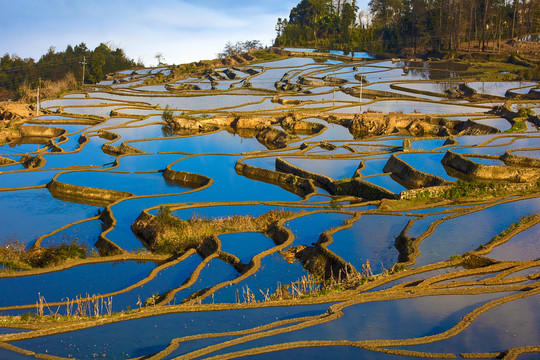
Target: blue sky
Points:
(182, 31)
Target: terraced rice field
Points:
(357, 264)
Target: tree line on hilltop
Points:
(18, 76)
(394, 25)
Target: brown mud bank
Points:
(279, 132)
(288, 181)
(369, 124)
(467, 169)
(272, 132)
(13, 115)
(85, 194)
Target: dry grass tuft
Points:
(49, 89)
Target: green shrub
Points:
(525, 112)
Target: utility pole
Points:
(83, 68)
(38, 88)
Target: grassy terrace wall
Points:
(289, 182)
(363, 189)
(401, 87)
(325, 181)
(323, 263)
(411, 177)
(85, 194)
(147, 234)
(104, 245)
(7, 161)
(123, 149)
(354, 186)
(473, 170)
(469, 124)
(41, 131)
(185, 179)
(438, 191)
(510, 159)
(107, 247)
(108, 135)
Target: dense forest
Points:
(19, 76)
(416, 25)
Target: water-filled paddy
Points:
(497, 88)
(387, 320)
(445, 241)
(500, 146)
(523, 246)
(336, 169)
(28, 214)
(274, 271)
(307, 229)
(168, 278)
(373, 167)
(427, 162)
(164, 329)
(220, 142)
(86, 233)
(97, 279)
(424, 107)
(370, 239)
(386, 182)
(505, 326)
(528, 153)
(214, 272)
(135, 183)
(499, 123)
(245, 245)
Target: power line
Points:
(38, 65)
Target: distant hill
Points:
(18, 76)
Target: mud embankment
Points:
(363, 189)
(41, 131)
(409, 176)
(348, 187)
(467, 169)
(85, 194)
(324, 181)
(185, 179)
(295, 184)
(265, 129)
(7, 161)
(369, 124)
(517, 160)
